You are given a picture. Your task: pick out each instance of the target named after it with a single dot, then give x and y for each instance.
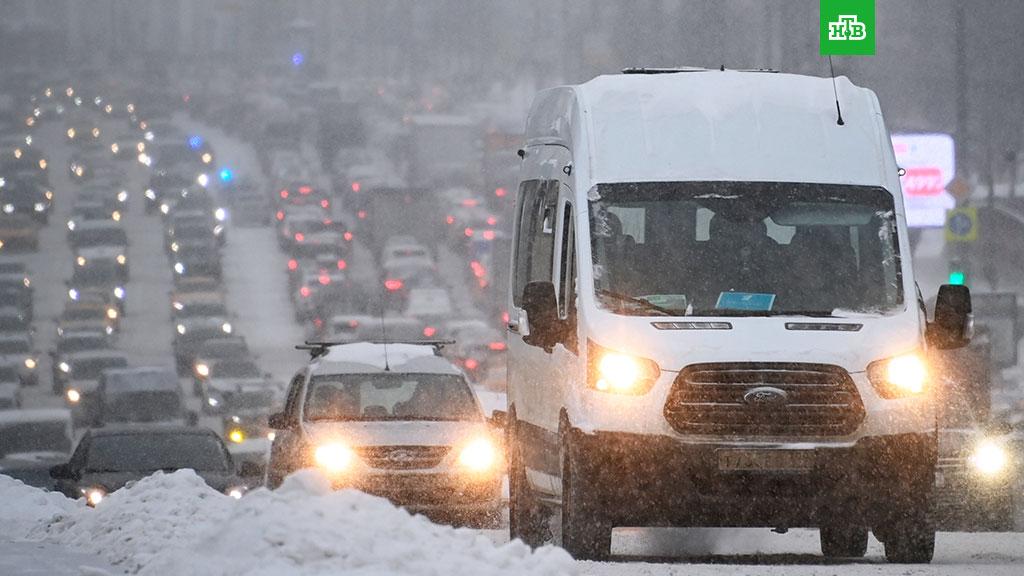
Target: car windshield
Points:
(390, 397)
(91, 368)
(99, 273)
(150, 452)
(14, 346)
(112, 236)
(203, 309)
(235, 369)
(84, 314)
(743, 249)
(79, 343)
(22, 437)
(142, 406)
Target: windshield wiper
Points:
(763, 313)
(640, 302)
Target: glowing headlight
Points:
(122, 196)
(9, 208)
(144, 159)
(236, 436)
(212, 401)
(164, 208)
(39, 206)
(174, 246)
(94, 496)
(115, 148)
(73, 294)
(620, 373)
(63, 367)
(150, 194)
(271, 435)
(71, 132)
(202, 370)
(333, 457)
(80, 260)
(141, 146)
(203, 179)
(119, 293)
(181, 329)
(226, 327)
(236, 492)
(479, 455)
(109, 330)
(989, 458)
(112, 313)
(220, 214)
(74, 396)
(71, 225)
(207, 158)
(122, 259)
(95, 132)
(179, 267)
(30, 363)
(898, 377)
(42, 166)
(218, 229)
(115, 216)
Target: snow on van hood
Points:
(759, 340)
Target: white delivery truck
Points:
(714, 319)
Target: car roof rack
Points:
(318, 348)
(641, 70)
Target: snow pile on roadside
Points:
(23, 508)
(175, 524)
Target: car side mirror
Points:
(541, 306)
(62, 472)
(498, 419)
(279, 421)
(953, 323)
(250, 469)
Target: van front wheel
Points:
(586, 533)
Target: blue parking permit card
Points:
(745, 301)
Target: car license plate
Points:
(765, 460)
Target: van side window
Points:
(535, 234)
(567, 266)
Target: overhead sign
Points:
(962, 225)
(930, 164)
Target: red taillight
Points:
(450, 220)
(472, 364)
(504, 317)
(318, 322)
(429, 331)
(325, 203)
(478, 269)
(491, 220)
(361, 214)
(342, 264)
(305, 190)
(353, 323)
(393, 285)
(356, 187)
(500, 192)
(468, 232)
(488, 234)
(300, 237)
(470, 202)
(324, 279)
(305, 291)
(496, 346)
(347, 236)
(280, 215)
(284, 193)
(293, 264)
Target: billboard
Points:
(930, 164)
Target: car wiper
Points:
(640, 302)
(731, 312)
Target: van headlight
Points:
(990, 458)
(226, 327)
(620, 373)
(203, 370)
(480, 455)
(333, 457)
(900, 376)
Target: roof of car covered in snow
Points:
(368, 357)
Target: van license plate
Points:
(766, 460)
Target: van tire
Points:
(586, 532)
(843, 541)
(525, 517)
(911, 541)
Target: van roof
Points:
(717, 126)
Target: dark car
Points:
(27, 197)
(106, 459)
(213, 350)
(104, 279)
(16, 291)
(196, 258)
(33, 440)
(16, 349)
(141, 395)
(166, 182)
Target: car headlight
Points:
(218, 229)
(236, 492)
(203, 179)
(141, 146)
(39, 207)
(112, 313)
(164, 209)
(181, 329)
(334, 457)
(150, 194)
(94, 495)
(63, 367)
(900, 376)
(202, 370)
(144, 159)
(115, 148)
(220, 214)
(122, 259)
(119, 293)
(9, 208)
(80, 260)
(73, 294)
(236, 435)
(109, 330)
(115, 215)
(122, 196)
(71, 225)
(226, 327)
(480, 455)
(174, 246)
(207, 158)
(30, 363)
(179, 267)
(990, 458)
(48, 193)
(620, 373)
(73, 396)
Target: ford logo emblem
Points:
(765, 396)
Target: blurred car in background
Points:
(33, 440)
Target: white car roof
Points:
(35, 415)
(367, 357)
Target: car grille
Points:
(403, 457)
(716, 399)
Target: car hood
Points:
(84, 385)
(106, 252)
(219, 481)
(397, 433)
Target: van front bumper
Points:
(647, 480)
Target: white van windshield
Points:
(744, 249)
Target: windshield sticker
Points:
(745, 301)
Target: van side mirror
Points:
(279, 421)
(541, 306)
(953, 323)
(62, 472)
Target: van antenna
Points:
(835, 91)
(384, 335)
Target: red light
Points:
(318, 322)
(497, 346)
(470, 202)
(429, 331)
(342, 264)
(356, 187)
(293, 264)
(347, 236)
(305, 291)
(491, 220)
(472, 364)
(504, 317)
(186, 97)
(284, 193)
(468, 232)
(488, 234)
(300, 237)
(393, 285)
(361, 214)
(280, 215)
(328, 221)
(324, 279)
(353, 323)
(450, 219)
(482, 282)
(305, 190)
(325, 203)
(500, 192)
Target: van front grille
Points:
(764, 399)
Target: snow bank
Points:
(24, 508)
(175, 524)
